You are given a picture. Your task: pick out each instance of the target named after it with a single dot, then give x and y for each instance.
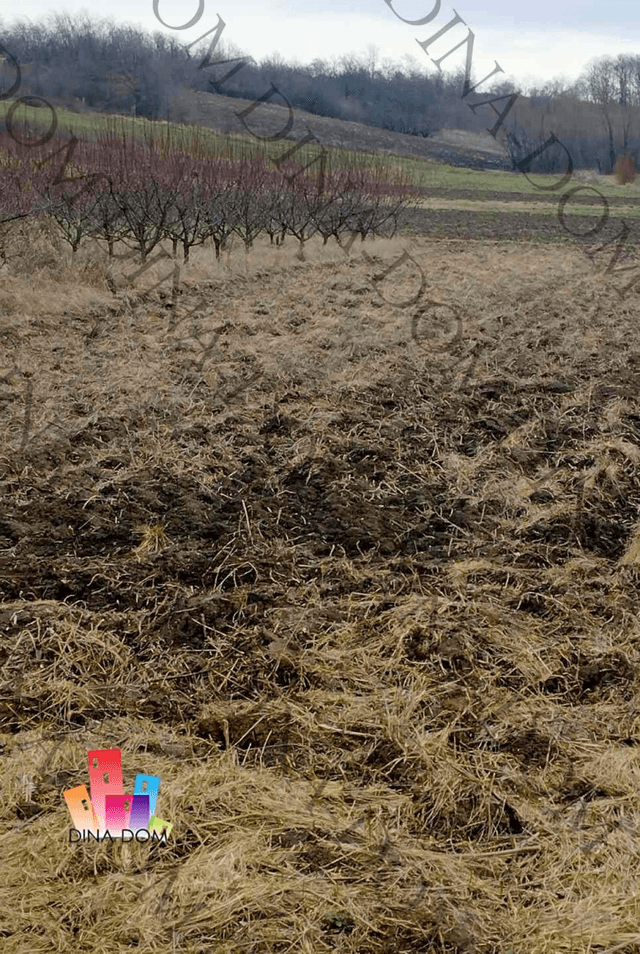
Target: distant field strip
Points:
(629, 211)
(436, 175)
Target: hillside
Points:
(219, 113)
(457, 147)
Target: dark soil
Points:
(520, 226)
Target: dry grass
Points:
(372, 618)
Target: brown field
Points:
(358, 582)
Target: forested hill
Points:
(100, 65)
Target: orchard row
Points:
(119, 190)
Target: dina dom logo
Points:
(110, 814)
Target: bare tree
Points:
(602, 84)
(373, 57)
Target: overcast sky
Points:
(543, 41)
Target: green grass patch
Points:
(437, 175)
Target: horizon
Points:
(531, 53)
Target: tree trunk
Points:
(612, 147)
